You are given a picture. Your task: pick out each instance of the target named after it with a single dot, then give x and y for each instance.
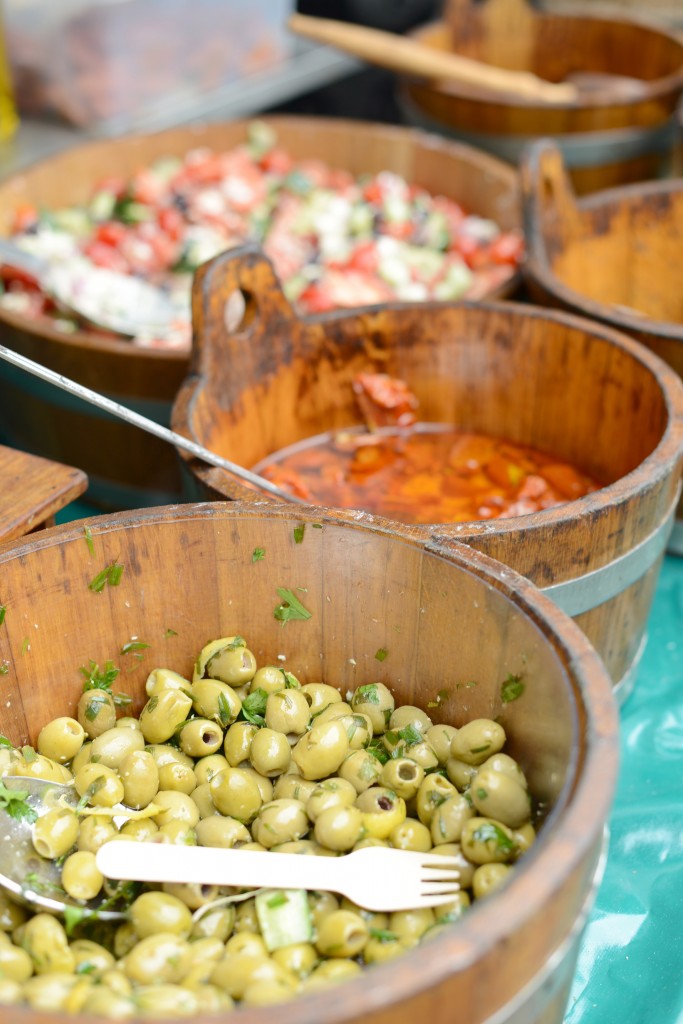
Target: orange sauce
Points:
(426, 473)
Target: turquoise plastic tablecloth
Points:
(630, 968)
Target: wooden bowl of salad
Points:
(578, 491)
(441, 633)
(400, 215)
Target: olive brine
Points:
(246, 756)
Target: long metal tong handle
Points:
(134, 418)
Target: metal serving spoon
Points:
(134, 418)
(30, 878)
(125, 304)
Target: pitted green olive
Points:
(237, 744)
(270, 752)
(200, 737)
(342, 934)
(403, 775)
(112, 746)
(154, 912)
(498, 795)
(287, 711)
(176, 776)
(340, 827)
(411, 835)
(206, 767)
(489, 877)
(434, 789)
(279, 822)
(382, 811)
(96, 711)
(102, 785)
(460, 773)
(485, 841)
(236, 793)
(216, 700)
(223, 832)
(140, 777)
(269, 678)
(61, 739)
(320, 696)
(477, 740)
(165, 679)
(320, 752)
(439, 738)
(163, 713)
(377, 702)
(55, 832)
(331, 792)
(361, 769)
(449, 818)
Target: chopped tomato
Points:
(111, 232)
(24, 218)
(103, 255)
(506, 248)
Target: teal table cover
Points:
(630, 968)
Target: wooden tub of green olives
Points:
(330, 600)
(577, 390)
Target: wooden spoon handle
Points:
(406, 55)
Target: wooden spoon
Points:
(408, 56)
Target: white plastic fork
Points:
(375, 877)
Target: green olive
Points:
(204, 801)
(508, 766)
(81, 878)
(37, 766)
(411, 835)
(293, 787)
(403, 775)
(358, 729)
(410, 925)
(524, 838)
(93, 956)
(337, 709)
(55, 832)
(164, 753)
(165, 679)
(233, 665)
(463, 868)
(223, 832)
(485, 841)
(112, 746)
(408, 716)
(100, 785)
(270, 752)
(217, 923)
(54, 991)
(342, 934)
(320, 752)
(200, 736)
(332, 792)
(434, 789)
(320, 696)
(269, 678)
(154, 912)
(460, 773)
(206, 767)
(237, 744)
(194, 895)
(487, 878)
(498, 795)
(161, 957)
(94, 832)
(61, 739)
(44, 939)
(299, 958)
(163, 713)
(279, 822)
(139, 829)
(174, 806)
(287, 711)
(96, 711)
(382, 811)
(440, 737)
(449, 818)
(339, 827)
(166, 1000)
(330, 972)
(236, 793)
(216, 700)
(361, 769)
(15, 963)
(140, 777)
(477, 740)
(377, 702)
(446, 913)
(380, 950)
(178, 777)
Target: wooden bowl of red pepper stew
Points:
(583, 393)
(38, 419)
(363, 583)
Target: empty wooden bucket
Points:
(613, 256)
(128, 469)
(607, 137)
(445, 614)
(562, 384)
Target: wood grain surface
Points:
(33, 490)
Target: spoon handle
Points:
(13, 256)
(134, 418)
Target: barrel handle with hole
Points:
(235, 296)
(547, 197)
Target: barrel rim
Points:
(575, 836)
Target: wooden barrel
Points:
(607, 138)
(444, 613)
(126, 468)
(613, 256)
(578, 390)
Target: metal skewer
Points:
(136, 420)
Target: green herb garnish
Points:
(254, 706)
(366, 694)
(382, 935)
(381, 654)
(13, 801)
(290, 607)
(299, 532)
(3, 610)
(133, 646)
(88, 539)
(291, 682)
(4, 742)
(257, 554)
(169, 633)
(29, 754)
(110, 576)
(441, 696)
(224, 713)
(511, 688)
(489, 832)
